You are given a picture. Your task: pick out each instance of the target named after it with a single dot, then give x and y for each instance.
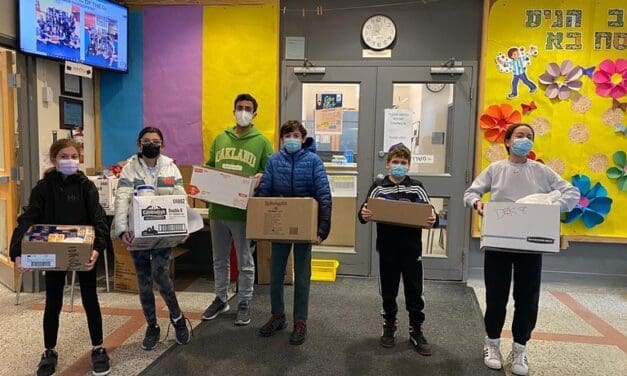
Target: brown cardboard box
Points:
(57, 254)
(124, 276)
(290, 219)
(264, 252)
(343, 219)
(401, 213)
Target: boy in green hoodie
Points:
(242, 149)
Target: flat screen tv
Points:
(92, 32)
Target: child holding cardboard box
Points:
(295, 171)
(400, 250)
(151, 169)
(509, 180)
(65, 196)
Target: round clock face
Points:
(378, 32)
(435, 87)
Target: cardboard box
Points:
(107, 187)
(400, 213)
(264, 254)
(124, 275)
(221, 187)
(57, 247)
(158, 221)
(515, 227)
(343, 220)
(288, 219)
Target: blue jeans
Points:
(154, 266)
(302, 278)
(221, 234)
(525, 80)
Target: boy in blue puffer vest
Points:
(294, 171)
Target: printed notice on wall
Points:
(397, 128)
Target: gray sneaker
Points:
(243, 313)
(216, 308)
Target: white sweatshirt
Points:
(507, 181)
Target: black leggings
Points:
(55, 281)
(498, 275)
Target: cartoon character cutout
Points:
(516, 62)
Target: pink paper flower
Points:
(560, 80)
(611, 78)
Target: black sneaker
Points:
(419, 341)
(151, 338)
(299, 333)
(216, 308)
(276, 323)
(100, 362)
(48, 363)
(181, 331)
(243, 313)
(389, 332)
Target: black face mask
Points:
(151, 150)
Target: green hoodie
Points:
(245, 154)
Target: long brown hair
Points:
(59, 145)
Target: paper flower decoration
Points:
(620, 172)
(561, 80)
(611, 78)
(533, 157)
(593, 204)
(496, 119)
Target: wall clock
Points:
(378, 32)
(435, 87)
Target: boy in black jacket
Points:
(400, 250)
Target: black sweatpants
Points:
(55, 281)
(498, 275)
(394, 263)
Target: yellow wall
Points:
(240, 55)
(574, 141)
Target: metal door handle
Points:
(381, 153)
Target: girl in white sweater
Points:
(508, 180)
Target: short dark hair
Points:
(510, 131)
(149, 130)
(292, 126)
(399, 151)
(511, 51)
(245, 97)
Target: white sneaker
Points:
(492, 353)
(518, 358)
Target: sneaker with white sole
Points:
(216, 308)
(518, 358)
(492, 353)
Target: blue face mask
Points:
(398, 171)
(292, 145)
(522, 146)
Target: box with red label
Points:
(220, 187)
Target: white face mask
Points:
(243, 118)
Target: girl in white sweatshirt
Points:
(508, 180)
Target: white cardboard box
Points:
(220, 187)
(512, 227)
(158, 221)
(107, 187)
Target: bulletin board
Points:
(561, 66)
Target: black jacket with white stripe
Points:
(391, 236)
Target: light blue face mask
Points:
(522, 146)
(399, 171)
(292, 145)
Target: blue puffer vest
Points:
(301, 174)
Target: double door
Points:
(354, 113)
